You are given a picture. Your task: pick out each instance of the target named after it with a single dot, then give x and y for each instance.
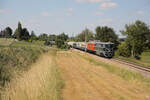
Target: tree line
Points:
(137, 37)
(22, 34)
(136, 42)
(103, 34)
(19, 34)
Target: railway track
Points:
(143, 68)
(129, 64)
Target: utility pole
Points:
(85, 40)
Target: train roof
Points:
(97, 42)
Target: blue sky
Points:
(72, 16)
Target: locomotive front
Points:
(105, 49)
(109, 50)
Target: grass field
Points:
(41, 82)
(17, 56)
(144, 61)
(88, 78)
(121, 72)
(27, 73)
(6, 42)
(65, 75)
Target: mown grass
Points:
(121, 72)
(144, 61)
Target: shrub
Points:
(59, 43)
(123, 50)
(65, 46)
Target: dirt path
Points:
(86, 81)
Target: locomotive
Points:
(105, 49)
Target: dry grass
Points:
(6, 42)
(85, 80)
(42, 82)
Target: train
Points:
(104, 49)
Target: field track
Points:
(86, 81)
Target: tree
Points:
(18, 32)
(105, 34)
(2, 34)
(85, 35)
(147, 35)
(123, 50)
(60, 41)
(33, 36)
(63, 37)
(25, 34)
(137, 40)
(43, 37)
(7, 32)
(52, 37)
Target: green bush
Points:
(65, 46)
(123, 50)
(59, 43)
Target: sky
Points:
(72, 16)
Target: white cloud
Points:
(140, 12)
(108, 5)
(46, 14)
(91, 1)
(98, 13)
(104, 4)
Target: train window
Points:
(109, 45)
